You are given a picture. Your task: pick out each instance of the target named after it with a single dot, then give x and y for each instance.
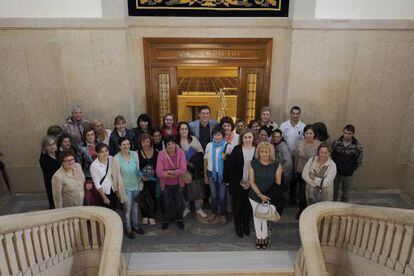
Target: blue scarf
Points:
(219, 173)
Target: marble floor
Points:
(199, 236)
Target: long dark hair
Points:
(145, 118)
(189, 138)
(321, 131)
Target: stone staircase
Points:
(279, 263)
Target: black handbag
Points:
(195, 190)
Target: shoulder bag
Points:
(266, 211)
(186, 177)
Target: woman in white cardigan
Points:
(319, 170)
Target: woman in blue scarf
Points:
(213, 174)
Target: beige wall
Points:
(45, 70)
(363, 77)
(337, 74)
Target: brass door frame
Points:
(251, 55)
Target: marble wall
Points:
(363, 77)
(339, 76)
(42, 74)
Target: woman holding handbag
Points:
(191, 146)
(237, 172)
(102, 176)
(265, 176)
(319, 174)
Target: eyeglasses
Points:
(69, 160)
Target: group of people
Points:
(203, 165)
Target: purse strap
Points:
(170, 161)
(106, 172)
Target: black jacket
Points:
(347, 158)
(233, 171)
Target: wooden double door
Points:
(164, 55)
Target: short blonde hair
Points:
(268, 146)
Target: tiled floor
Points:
(198, 236)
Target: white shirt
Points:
(98, 170)
(248, 157)
(209, 156)
(292, 134)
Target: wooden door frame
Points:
(170, 53)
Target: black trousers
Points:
(293, 187)
(301, 192)
(48, 187)
(173, 200)
(242, 211)
(151, 187)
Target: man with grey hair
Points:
(75, 125)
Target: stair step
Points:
(213, 263)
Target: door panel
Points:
(163, 93)
(250, 97)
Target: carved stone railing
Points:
(67, 241)
(349, 239)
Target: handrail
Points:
(326, 224)
(54, 231)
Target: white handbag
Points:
(266, 211)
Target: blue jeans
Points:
(130, 210)
(345, 182)
(218, 195)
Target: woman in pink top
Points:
(171, 165)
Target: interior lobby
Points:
(342, 62)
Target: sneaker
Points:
(152, 221)
(180, 224)
(145, 221)
(139, 230)
(201, 213)
(223, 219)
(164, 226)
(186, 212)
(130, 235)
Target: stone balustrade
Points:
(349, 239)
(67, 241)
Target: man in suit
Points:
(202, 127)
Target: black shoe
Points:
(239, 233)
(246, 231)
(130, 235)
(139, 230)
(180, 224)
(264, 244)
(258, 243)
(164, 226)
